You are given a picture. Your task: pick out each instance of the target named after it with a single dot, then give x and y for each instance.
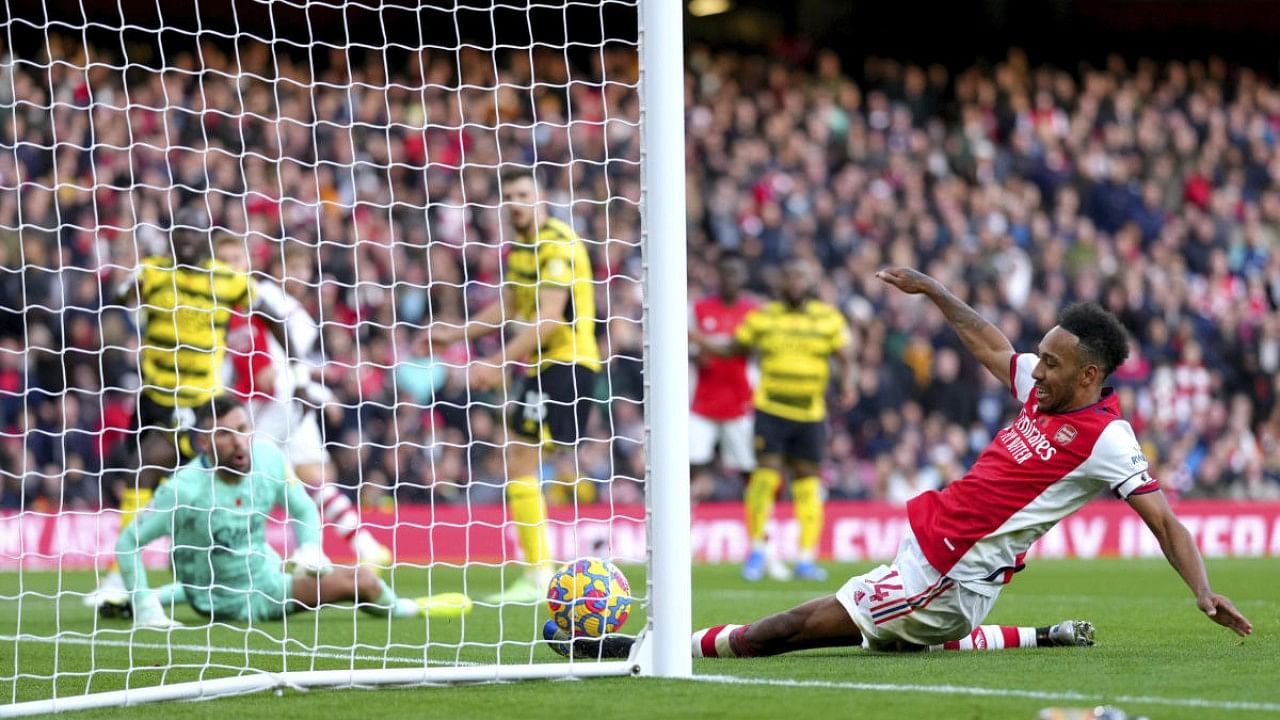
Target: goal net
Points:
(434, 251)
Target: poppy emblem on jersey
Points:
(238, 502)
(1065, 435)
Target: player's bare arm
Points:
(844, 367)
(128, 292)
(1180, 549)
(527, 339)
(487, 320)
(268, 308)
(724, 345)
(984, 340)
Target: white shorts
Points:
(734, 437)
(909, 603)
(291, 426)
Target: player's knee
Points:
(312, 475)
(804, 468)
(771, 462)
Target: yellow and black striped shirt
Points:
(557, 258)
(186, 311)
(795, 347)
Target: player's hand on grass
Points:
(1220, 610)
(309, 559)
(485, 374)
(912, 282)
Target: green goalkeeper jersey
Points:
(218, 530)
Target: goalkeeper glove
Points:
(309, 559)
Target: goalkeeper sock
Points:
(528, 510)
(807, 493)
(762, 488)
(132, 500)
(387, 603)
(721, 641)
(996, 637)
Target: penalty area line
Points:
(995, 692)
(192, 648)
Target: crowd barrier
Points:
(854, 532)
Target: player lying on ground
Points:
(215, 509)
(963, 543)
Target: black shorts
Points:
(791, 439)
(554, 405)
(151, 416)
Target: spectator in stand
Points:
(1151, 187)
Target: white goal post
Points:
(115, 116)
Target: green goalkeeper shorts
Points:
(269, 598)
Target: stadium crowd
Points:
(1151, 188)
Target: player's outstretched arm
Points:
(741, 342)
(154, 522)
(488, 319)
(1180, 549)
(308, 558)
(984, 340)
(552, 301)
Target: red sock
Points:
(720, 641)
(993, 637)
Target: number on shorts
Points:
(881, 586)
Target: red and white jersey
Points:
(1037, 471)
(251, 347)
(723, 390)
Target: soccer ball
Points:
(589, 597)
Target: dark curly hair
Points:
(1103, 340)
(216, 407)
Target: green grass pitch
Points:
(1155, 655)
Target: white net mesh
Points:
(348, 158)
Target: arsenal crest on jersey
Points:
(1065, 435)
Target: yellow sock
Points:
(762, 488)
(807, 493)
(131, 502)
(529, 512)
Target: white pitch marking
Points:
(995, 692)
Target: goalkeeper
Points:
(216, 507)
